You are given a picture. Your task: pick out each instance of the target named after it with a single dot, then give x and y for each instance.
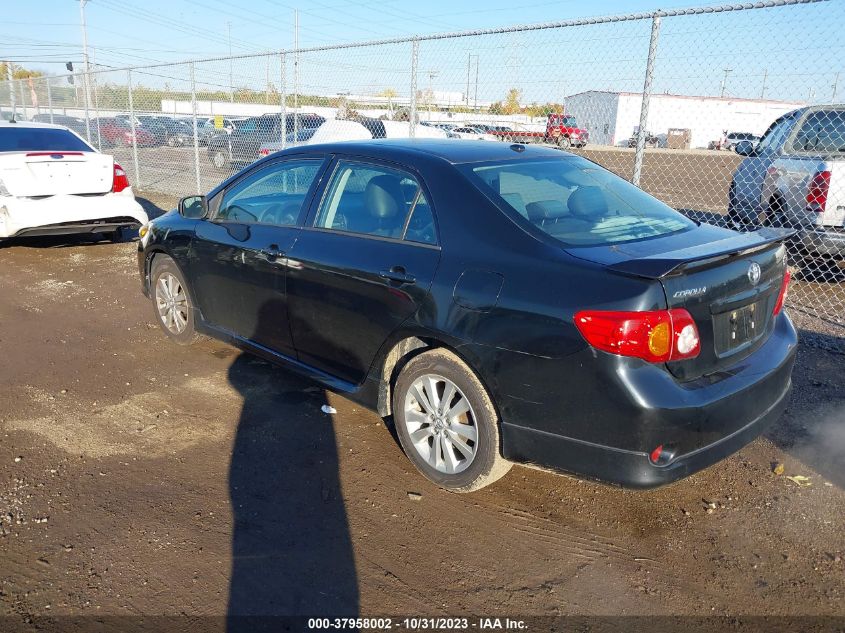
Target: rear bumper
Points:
(599, 416)
(631, 469)
(824, 241)
(67, 214)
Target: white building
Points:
(613, 117)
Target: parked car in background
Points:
(154, 126)
(795, 177)
(72, 123)
(54, 183)
(243, 144)
(114, 131)
(651, 140)
(502, 303)
(472, 133)
(733, 138)
(337, 130)
(177, 132)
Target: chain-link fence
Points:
(675, 101)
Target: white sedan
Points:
(473, 134)
(54, 183)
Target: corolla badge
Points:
(689, 292)
(754, 273)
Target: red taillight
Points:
(817, 191)
(264, 152)
(658, 336)
(120, 181)
(782, 294)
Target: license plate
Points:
(737, 327)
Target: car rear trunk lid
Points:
(35, 174)
(729, 285)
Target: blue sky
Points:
(773, 52)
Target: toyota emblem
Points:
(754, 273)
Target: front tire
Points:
(172, 302)
(447, 424)
(563, 142)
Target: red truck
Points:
(561, 129)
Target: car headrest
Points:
(587, 203)
(383, 196)
(545, 210)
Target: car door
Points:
(362, 265)
(238, 257)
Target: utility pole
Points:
(835, 87)
(86, 69)
(469, 63)
(725, 81)
(763, 87)
(475, 106)
(231, 73)
(431, 75)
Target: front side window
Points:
(271, 195)
(378, 201)
(576, 201)
(775, 135)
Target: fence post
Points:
(87, 90)
(283, 97)
(649, 76)
(132, 123)
(196, 134)
(415, 54)
(50, 99)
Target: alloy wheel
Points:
(172, 303)
(441, 424)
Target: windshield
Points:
(576, 201)
(31, 139)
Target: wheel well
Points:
(394, 361)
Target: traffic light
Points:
(69, 66)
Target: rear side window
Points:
(577, 202)
(378, 201)
(31, 139)
(822, 132)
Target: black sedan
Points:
(502, 303)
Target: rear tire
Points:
(460, 449)
(173, 304)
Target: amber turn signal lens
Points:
(659, 339)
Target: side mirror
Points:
(744, 148)
(193, 207)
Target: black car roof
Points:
(451, 150)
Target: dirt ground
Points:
(138, 477)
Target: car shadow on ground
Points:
(291, 547)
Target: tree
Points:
(511, 105)
(18, 72)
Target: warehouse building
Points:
(613, 117)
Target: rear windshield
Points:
(31, 139)
(577, 202)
